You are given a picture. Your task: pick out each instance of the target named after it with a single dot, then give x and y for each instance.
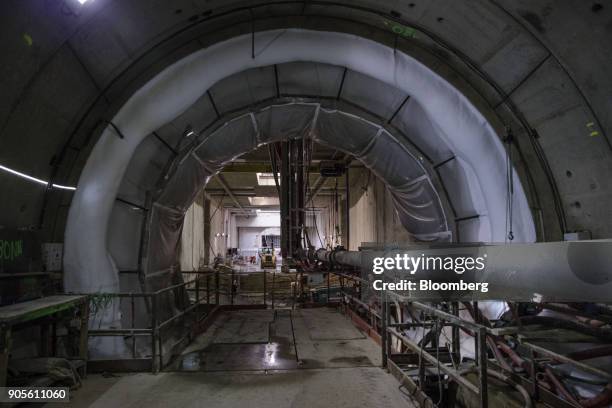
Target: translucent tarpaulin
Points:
(416, 200)
(437, 118)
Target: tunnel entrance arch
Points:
(87, 263)
(423, 212)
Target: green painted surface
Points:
(11, 249)
(400, 29)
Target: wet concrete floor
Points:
(261, 358)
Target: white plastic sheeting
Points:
(415, 198)
(88, 267)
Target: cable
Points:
(309, 192)
(510, 185)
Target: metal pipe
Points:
(342, 257)
(537, 272)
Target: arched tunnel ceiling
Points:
(181, 85)
(67, 67)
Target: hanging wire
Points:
(510, 186)
(336, 214)
(210, 248)
(309, 192)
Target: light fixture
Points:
(267, 179)
(264, 201)
(267, 211)
(189, 131)
(34, 179)
(82, 1)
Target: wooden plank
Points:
(35, 309)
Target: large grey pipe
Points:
(578, 271)
(341, 257)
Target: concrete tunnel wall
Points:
(80, 68)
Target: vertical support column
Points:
(154, 335)
(217, 287)
(208, 288)
(207, 230)
(482, 367)
(265, 288)
(44, 337)
(273, 287)
(5, 351)
(476, 311)
(455, 347)
(233, 288)
(388, 323)
(54, 338)
(299, 197)
(284, 201)
(132, 324)
(197, 289)
(347, 210)
(143, 245)
(383, 322)
(84, 333)
(328, 286)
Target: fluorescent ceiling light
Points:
(34, 179)
(189, 131)
(82, 1)
(266, 179)
(264, 201)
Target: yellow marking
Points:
(28, 39)
(595, 133)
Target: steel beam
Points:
(347, 159)
(229, 191)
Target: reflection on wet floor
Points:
(262, 340)
(232, 357)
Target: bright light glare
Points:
(82, 1)
(267, 179)
(34, 179)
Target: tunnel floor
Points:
(261, 358)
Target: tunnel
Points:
(205, 188)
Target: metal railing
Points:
(199, 299)
(376, 320)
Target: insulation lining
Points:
(416, 200)
(87, 263)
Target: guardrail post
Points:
(482, 367)
(232, 287)
(133, 312)
(197, 289)
(208, 288)
(154, 334)
(84, 333)
(217, 287)
(328, 286)
(455, 347)
(265, 288)
(273, 287)
(383, 321)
